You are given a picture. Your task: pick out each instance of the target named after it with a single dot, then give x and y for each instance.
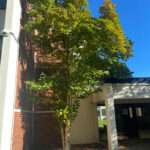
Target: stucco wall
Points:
(85, 126)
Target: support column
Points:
(8, 71)
(111, 121)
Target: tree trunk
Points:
(65, 133)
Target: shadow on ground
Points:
(134, 144)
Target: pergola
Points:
(122, 91)
(127, 91)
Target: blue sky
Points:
(135, 19)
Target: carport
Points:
(130, 96)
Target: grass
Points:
(101, 123)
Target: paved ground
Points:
(101, 146)
(124, 145)
(135, 145)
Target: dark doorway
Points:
(133, 120)
(102, 125)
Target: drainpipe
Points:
(8, 71)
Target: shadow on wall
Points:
(32, 130)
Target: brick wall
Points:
(31, 131)
(46, 132)
(35, 132)
(22, 132)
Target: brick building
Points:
(26, 126)
(23, 126)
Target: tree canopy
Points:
(87, 48)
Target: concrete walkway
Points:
(132, 144)
(135, 145)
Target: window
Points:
(103, 112)
(130, 112)
(0, 47)
(2, 4)
(139, 112)
(101, 116)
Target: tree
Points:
(119, 71)
(85, 48)
(110, 23)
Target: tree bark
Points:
(65, 133)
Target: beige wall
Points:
(85, 126)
